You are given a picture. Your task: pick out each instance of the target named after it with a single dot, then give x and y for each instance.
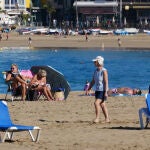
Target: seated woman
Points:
(124, 90)
(18, 82)
(38, 83)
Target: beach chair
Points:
(9, 87)
(146, 112)
(9, 128)
(27, 75)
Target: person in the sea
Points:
(18, 82)
(38, 83)
(100, 79)
(124, 90)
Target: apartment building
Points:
(63, 11)
(94, 13)
(128, 12)
(14, 4)
(136, 11)
(2, 4)
(123, 12)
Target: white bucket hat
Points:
(100, 60)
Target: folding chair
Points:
(9, 128)
(146, 112)
(9, 87)
(27, 75)
(31, 94)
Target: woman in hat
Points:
(100, 79)
(38, 83)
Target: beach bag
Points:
(59, 94)
(32, 95)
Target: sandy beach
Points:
(67, 125)
(134, 42)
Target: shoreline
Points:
(102, 42)
(79, 48)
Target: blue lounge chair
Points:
(9, 128)
(146, 112)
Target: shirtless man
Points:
(124, 90)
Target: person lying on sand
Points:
(124, 90)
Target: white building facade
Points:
(2, 4)
(13, 7)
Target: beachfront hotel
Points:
(122, 12)
(84, 13)
(14, 6)
(2, 4)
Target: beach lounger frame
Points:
(8, 128)
(145, 112)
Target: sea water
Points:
(125, 67)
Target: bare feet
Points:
(106, 121)
(51, 99)
(96, 120)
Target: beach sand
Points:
(67, 125)
(135, 42)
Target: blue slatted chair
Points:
(7, 126)
(146, 112)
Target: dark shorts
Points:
(100, 95)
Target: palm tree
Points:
(50, 9)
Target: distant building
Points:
(14, 5)
(63, 12)
(128, 13)
(15, 8)
(2, 4)
(136, 12)
(85, 13)
(94, 13)
(6, 19)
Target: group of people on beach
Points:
(20, 84)
(100, 79)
